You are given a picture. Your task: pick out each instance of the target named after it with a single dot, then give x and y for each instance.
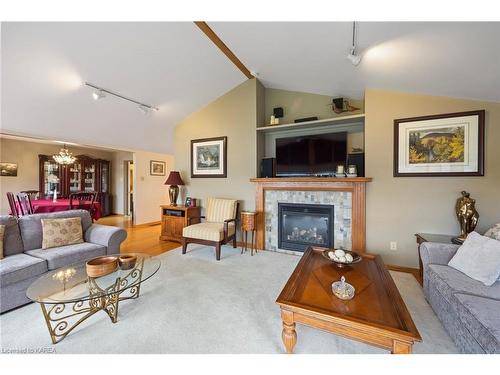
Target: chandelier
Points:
(64, 157)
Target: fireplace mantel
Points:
(355, 185)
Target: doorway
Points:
(129, 188)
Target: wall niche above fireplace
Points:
(303, 225)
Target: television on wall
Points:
(310, 155)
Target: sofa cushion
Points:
(481, 317)
(449, 281)
(208, 231)
(18, 267)
(478, 258)
(218, 210)
(61, 232)
(66, 255)
(31, 226)
(12, 242)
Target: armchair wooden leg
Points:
(184, 245)
(217, 251)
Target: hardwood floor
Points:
(140, 239)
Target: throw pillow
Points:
(494, 232)
(61, 232)
(2, 231)
(478, 258)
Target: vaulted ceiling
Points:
(175, 67)
(441, 58)
(170, 65)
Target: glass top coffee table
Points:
(68, 296)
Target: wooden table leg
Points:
(400, 347)
(288, 335)
(244, 240)
(252, 246)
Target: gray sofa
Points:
(24, 260)
(469, 310)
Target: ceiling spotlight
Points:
(354, 57)
(143, 109)
(99, 94)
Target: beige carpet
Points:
(195, 304)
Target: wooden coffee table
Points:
(376, 315)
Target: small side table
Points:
(248, 225)
(430, 237)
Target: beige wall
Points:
(233, 115)
(25, 154)
(301, 104)
(398, 207)
(149, 191)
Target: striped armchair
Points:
(218, 229)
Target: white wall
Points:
(149, 191)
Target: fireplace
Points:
(303, 225)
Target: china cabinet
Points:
(85, 174)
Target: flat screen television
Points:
(311, 154)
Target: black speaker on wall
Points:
(268, 167)
(359, 161)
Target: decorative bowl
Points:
(341, 262)
(127, 262)
(101, 266)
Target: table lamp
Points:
(174, 180)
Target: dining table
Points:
(62, 204)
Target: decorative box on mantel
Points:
(347, 195)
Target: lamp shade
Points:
(174, 178)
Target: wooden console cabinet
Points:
(174, 219)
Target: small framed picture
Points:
(157, 168)
(209, 157)
(450, 144)
(8, 169)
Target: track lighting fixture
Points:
(100, 93)
(353, 56)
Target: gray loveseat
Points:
(24, 260)
(469, 310)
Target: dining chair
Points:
(81, 201)
(33, 194)
(12, 204)
(25, 205)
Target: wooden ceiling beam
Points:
(222, 46)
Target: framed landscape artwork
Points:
(8, 169)
(209, 157)
(441, 145)
(157, 168)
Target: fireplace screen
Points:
(303, 225)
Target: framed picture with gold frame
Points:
(443, 145)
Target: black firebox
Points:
(303, 225)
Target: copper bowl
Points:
(127, 262)
(101, 266)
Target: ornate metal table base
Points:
(61, 319)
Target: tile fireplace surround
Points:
(342, 215)
(346, 194)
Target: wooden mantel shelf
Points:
(355, 185)
(311, 179)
